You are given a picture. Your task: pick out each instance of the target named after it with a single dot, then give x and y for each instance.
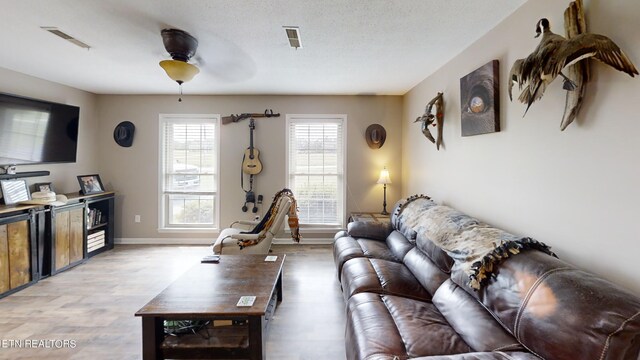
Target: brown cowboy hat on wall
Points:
(375, 136)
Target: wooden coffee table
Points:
(211, 292)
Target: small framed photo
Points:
(14, 191)
(46, 186)
(90, 184)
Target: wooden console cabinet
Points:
(38, 241)
(66, 232)
(72, 229)
(18, 265)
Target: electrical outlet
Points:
(137, 218)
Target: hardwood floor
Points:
(93, 305)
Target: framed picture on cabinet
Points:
(14, 191)
(45, 186)
(90, 184)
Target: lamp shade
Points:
(179, 71)
(384, 177)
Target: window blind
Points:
(189, 179)
(316, 169)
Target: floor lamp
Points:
(384, 180)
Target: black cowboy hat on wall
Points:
(123, 133)
(375, 136)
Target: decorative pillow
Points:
(369, 229)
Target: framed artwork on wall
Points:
(480, 100)
(90, 184)
(14, 191)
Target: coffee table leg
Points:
(256, 338)
(279, 287)
(152, 336)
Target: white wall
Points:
(132, 172)
(575, 190)
(63, 176)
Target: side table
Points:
(368, 217)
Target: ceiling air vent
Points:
(293, 34)
(69, 38)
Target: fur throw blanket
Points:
(475, 247)
(269, 218)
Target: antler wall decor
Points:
(428, 118)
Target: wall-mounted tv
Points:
(36, 132)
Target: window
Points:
(189, 169)
(316, 168)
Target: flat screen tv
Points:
(36, 132)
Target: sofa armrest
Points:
(369, 230)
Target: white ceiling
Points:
(349, 46)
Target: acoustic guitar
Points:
(251, 163)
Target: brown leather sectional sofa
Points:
(404, 302)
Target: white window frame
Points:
(162, 216)
(311, 118)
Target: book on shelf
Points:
(95, 247)
(95, 218)
(97, 234)
(95, 240)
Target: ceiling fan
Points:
(182, 47)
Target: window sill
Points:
(189, 230)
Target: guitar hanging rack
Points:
(239, 117)
(251, 166)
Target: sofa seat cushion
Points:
(384, 326)
(347, 247)
(382, 277)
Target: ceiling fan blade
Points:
(199, 61)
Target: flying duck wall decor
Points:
(555, 53)
(428, 118)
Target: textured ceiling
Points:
(349, 46)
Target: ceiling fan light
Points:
(179, 71)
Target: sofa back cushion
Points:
(376, 230)
(428, 274)
(471, 321)
(398, 244)
(547, 305)
(440, 258)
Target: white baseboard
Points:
(205, 241)
(164, 241)
(304, 241)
